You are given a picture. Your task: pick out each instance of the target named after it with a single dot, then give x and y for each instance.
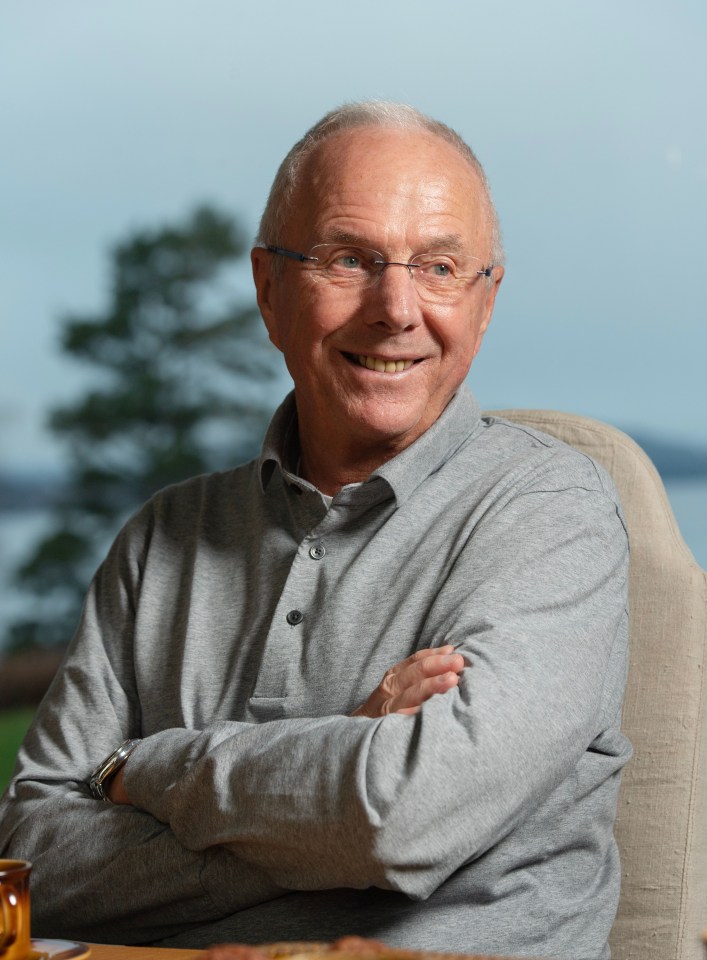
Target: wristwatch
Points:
(112, 763)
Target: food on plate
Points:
(346, 948)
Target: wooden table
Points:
(104, 951)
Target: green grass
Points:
(13, 725)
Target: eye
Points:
(436, 267)
(345, 261)
(440, 269)
(349, 260)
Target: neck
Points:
(333, 465)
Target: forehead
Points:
(385, 185)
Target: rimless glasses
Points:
(441, 277)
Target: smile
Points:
(380, 365)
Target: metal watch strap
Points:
(112, 763)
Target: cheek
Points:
(302, 335)
(459, 363)
(458, 334)
(291, 315)
(460, 342)
(316, 318)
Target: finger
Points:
(408, 674)
(417, 694)
(423, 664)
(433, 666)
(427, 652)
(409, 698)
(405, 672)
(413, 697)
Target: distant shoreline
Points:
(35, 489)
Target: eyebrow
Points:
(445, 242)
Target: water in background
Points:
(20, 530)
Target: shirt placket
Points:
(293, 622)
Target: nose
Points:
(394, 302)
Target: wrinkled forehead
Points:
(370, 172)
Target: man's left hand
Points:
(408, 684)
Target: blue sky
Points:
(588, 116)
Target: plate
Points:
(58, 950)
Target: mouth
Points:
(379, 364)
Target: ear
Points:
(261, 261)
(488, 306)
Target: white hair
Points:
(370, 113)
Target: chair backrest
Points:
(661, 825)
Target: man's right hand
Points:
(407, 684)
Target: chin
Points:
(390, 426)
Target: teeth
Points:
(384, 366)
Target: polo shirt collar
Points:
(458, 421)
(405, 472)
(281, 444)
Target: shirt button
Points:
(317, 551)
(294, 617)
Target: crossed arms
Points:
(403, 689)
(230, 814)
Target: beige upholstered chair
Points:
(662, 818)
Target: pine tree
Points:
(181, 371)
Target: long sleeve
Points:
(252, 781)
(539, 603)
(105, 872)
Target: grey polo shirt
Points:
(237, 621)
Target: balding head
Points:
(376, 343)
(376, 113)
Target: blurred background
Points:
(140, 138)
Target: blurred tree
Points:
(181, 368)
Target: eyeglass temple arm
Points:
(301, 257)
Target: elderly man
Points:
(272, 786)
